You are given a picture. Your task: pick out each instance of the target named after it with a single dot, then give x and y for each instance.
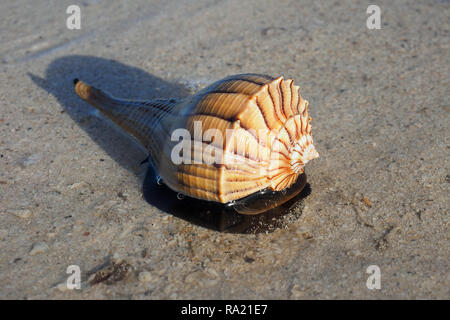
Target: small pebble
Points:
(77, 185)
(21, 213)
(207, 278)
(248, 259)
(307, 235)
(39, 247)
(145, 276)
(62, 287)
(304, 233)
(296, 292)
(367, 201)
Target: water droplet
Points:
(159, 181)
(231, 203)
(180, 196)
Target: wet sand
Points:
(71, 185)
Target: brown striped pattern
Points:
(266, 147)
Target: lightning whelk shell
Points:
(263, 125)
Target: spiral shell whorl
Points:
(270, 144)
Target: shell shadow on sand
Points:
(225, 218)
(130, 82)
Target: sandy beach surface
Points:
(71, 184)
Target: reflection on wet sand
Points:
(278, 208)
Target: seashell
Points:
(240, 135)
